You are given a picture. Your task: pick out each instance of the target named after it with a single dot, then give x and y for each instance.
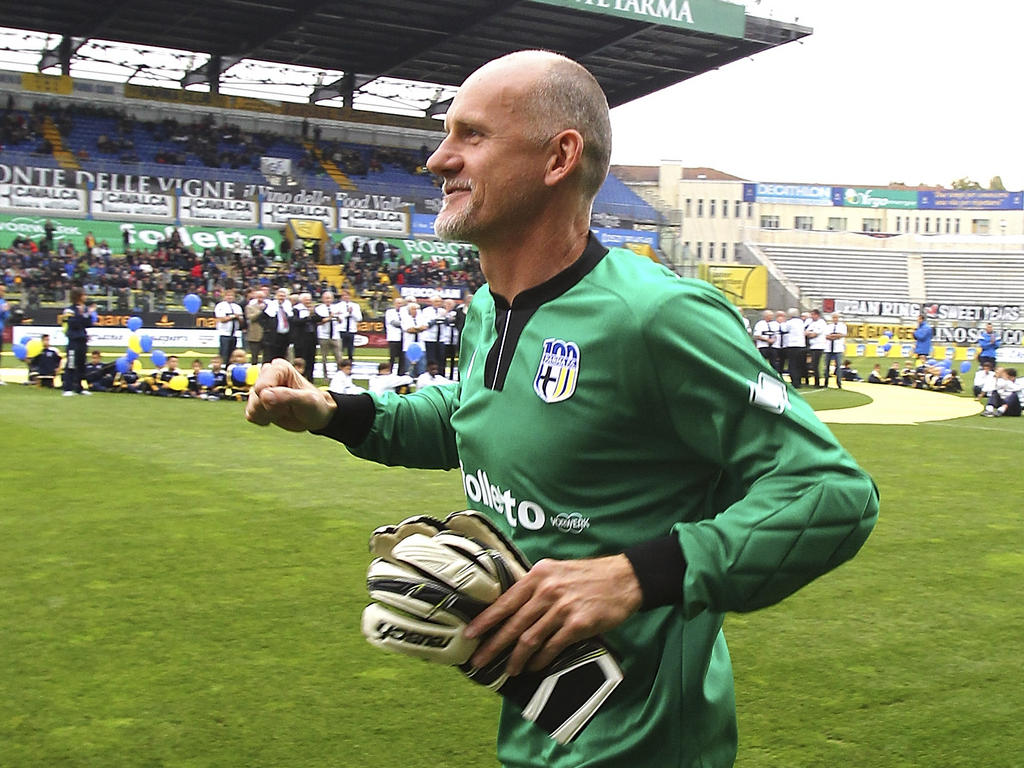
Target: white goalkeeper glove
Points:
(431, 578)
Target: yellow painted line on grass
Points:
(900, 405)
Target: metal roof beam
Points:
(61, 54)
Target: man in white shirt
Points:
(349, 315)
(835, 346)
(764, 336)
(434, 316)
(328, 330)
(280, 309)
(796, 354)
(393, 333)
(413, 326)
(778, 346)
(814, 332)
(229, 322)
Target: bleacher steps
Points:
(336, 174)
(65, 158)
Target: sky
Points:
(911, 91)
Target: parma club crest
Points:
(558, 371)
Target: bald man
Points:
(656, 474)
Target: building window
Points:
(688, 202)
(836, 224)
(949, 224)
(750, 210)
(737, 210)
(979, 226)
(957, 226)
(803, 222)
(735, 251)
(769, 222)
(725, 209)
(711, 208)
(700, 208)
(927, 224)
(871, 225)
(700, 251)
(917, 225)
(723, 254)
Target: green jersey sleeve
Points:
(793, 503)
(413, 430)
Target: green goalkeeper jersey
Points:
(614, 405)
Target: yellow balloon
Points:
(178, 383)
(33, 348)
(137, 366)
(251, 374)
(134, 344)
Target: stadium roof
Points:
(438, 42)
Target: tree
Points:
(964, 183)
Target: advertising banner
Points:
(374, 222)
(140, 235)
(714, 16)
(427, 292)
(132, 205)
(970, 199)
(862, 197)
(278, 214)
(203, 210)
(429, 250)
(746, 287)
(787, 194)
(620, 237)
(984, 313)
(26, 197)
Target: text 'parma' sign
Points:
(714, 16)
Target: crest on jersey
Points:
(558, 371)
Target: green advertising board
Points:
(863, 197)
(140, 236)
(714, 16)
(427, 250)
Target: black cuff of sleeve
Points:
(659, 566)
(352, 419)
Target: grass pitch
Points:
(180, 588)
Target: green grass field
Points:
(180, 588)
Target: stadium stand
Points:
(836, 272)
(991, 278)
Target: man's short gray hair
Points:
(568, 96)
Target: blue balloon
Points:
(888, 333)
(134, 323)
(123, 365)
(24, 340)
(238, 373)
(886, 347)
(131, 354)
(192, 303)
(19, 351)
(414, 352)
(205, 378)
(965, 366)
(159, 358)
(146, 342)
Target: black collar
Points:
(550, 289)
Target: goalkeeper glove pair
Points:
(431, 578)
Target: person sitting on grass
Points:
(342, 383)
(43, 368)
(233, 388)
(876, 377)
(984, 381)
(848, 373)
(99, 375)
(1005, 398)
(220, 376)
